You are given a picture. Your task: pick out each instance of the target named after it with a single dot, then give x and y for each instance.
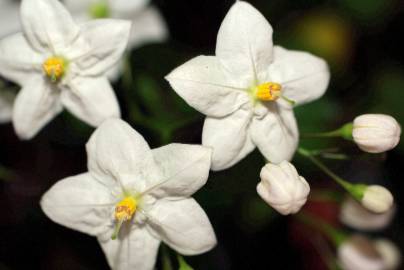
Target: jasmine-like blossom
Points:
(132, 198)
(60, 64)
(247, 89)
(359, 253)
(147, 23)
(376, 133)
(283, 188)
(354, 215)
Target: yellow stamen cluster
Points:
(125, 209)
(54, 68)
(269, 91)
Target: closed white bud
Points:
(282, 188)
(390, 253)
(359, 253)
(354, 215)
(376, 133)
(377, 199)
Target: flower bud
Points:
(376, 133)
(377, 199)
(390, 253)
(354, 215)
(282, 188)
(359, 253)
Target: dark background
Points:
(361, 40)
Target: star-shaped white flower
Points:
(246, 90)
(61, 64)
(136, 195)
(147, 23)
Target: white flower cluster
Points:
(132, 197)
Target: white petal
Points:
(6, 104)
(244, 43)
(116, 152)
(17, 60)
(80, 203)
(36, 104)
(107, 41)
(229, 138)
(133, 249)
(147, 26)
(125, 6)
(48, 25)
(204, 85)
(185, 169)
(91, 99)
(9, 18)
(303, 76)
(183, 225)
(276, 135)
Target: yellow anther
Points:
(269, 91)
(125, 209)
(54, 68)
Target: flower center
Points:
(54, 68)
(124, 211)
(99, 10)
(269, 91)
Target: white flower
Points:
(61, 64)
(9, 17)
(282, 188)
(244, 88)
(147, 23)
(390, 253)
(143, 193)
(359, 253)
(376, 133)
(354, 215)
(377, 199)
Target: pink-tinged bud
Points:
(359, 253)
(354, 215)
(376, 133)
(282, 188)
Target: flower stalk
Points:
(344, 132)
(356, 190)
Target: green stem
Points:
(356, 190)
(330, 134)
(335, 235)
(183, 265)
(331, 153)
(306, 153)
(345, 132)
